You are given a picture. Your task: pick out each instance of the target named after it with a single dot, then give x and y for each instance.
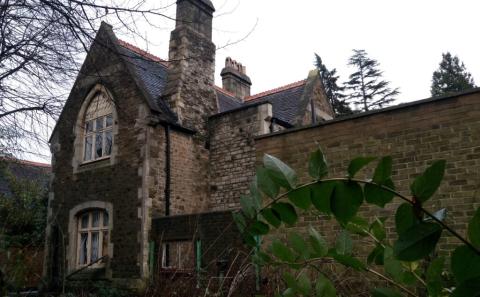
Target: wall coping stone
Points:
(371, 113)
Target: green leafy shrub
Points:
(410, 264)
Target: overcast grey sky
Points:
(407, 37)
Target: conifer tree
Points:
(368, 89)
(451, 77)
(332, 89)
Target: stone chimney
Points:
(235, 79)
(190, 85)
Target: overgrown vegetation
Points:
(22, 227)
(409, 265)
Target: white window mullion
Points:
(89, 238)
(100, 243)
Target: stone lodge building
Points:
(150, 157)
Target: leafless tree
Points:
(42, 43)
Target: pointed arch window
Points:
(98, 125)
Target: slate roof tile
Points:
(152, 73)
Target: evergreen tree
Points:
(368, 89)
(332, 89)
(451, 77)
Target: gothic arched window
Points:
(98, 127)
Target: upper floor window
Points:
(98, 137)
(93, 234)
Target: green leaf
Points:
(286, 211)
(357, 164)
(425, 185)
(344, 243)
(417, 242)
(300, 197)
(280, 172)
(250, 239)
(405, 218)
(474, 229)
(358, 226)
(392, 266)
(259, 228)
(470, 288)
(321, 196)
(317, 242)
(282, 252)
(290, 280)
(304, 284)
(289, 292)
(298, 244)
(324, 287)
(346, 200)
(255, 194)
(239, 221)
(378, 196)
(248, 207)
(383, 172)
(378, 229)
(385, 292)
(261, 258)
(272, 217)
(317, 165)
(376, 255)
(434, 277)
(266, 183)
(347, 260)
(465, 264)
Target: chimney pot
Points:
(235, 79)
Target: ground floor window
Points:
(93, 237)
(178, 255)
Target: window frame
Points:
(88, 116)
(93, 133)
(101, 229)
(167, 249)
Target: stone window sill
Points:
(94, 164)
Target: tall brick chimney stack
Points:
(190, 86)
(235, 79)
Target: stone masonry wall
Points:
(414, 135)
(232, 153)
(117, 180)
(189, 174)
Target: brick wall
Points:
(232, 153)
(414, 135)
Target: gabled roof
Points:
(152, 72)
(226, 100)
(285, 100)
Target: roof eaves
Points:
(25, 162)
(240, 108)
